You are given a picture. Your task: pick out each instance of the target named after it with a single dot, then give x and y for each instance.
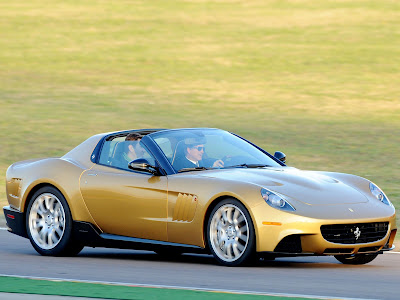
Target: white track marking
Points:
(188, 288)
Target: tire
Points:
(49, 224)
(230, 234)
(356, 259)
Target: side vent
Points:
(185, 208)
(13, 188)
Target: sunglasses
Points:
(199, 148)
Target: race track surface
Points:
(313, 276)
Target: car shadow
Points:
(204, 259)
(147, 256)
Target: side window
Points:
(118, 153)
(166, 147)
(109, 150)
(146, 154)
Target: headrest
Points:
(193, 141)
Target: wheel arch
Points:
(30, 194)
(66, 242)
(212, 205)
(38, 187)
(69, 189)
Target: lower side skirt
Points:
(88, 235)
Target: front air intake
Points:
(289, 244)
(355, 233)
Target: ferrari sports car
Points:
(199, 190)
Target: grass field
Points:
(120, 291)
(318, 80)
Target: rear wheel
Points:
(356, 259)
(49, 224)
(230, 233)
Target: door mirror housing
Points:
(143, 165)
(280, 156)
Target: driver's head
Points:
(194, 147)
(195, 152)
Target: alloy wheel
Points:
(46, 221)
(229, 233)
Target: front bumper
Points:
(15, 221)
(286, 234)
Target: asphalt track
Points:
(306, 276)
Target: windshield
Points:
(200, 149)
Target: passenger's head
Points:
(133, 136)
(134, 144)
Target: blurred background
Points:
(318, 80)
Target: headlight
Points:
(276, 201)
(379, 194)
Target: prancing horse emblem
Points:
(357, 233)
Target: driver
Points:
(194, 151)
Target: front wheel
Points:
(230, 233)
(49, 224)
(356, 259)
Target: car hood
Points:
(309, 187)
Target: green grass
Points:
(113, 291)
(318, 80)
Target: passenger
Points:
(133, 149)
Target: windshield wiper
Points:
(192, 169)
(249, 166)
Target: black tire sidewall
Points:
(65, 242)
(249, 253)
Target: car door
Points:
(126, 203)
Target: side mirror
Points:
(280, 156)
(143, 165)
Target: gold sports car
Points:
(194, 190)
